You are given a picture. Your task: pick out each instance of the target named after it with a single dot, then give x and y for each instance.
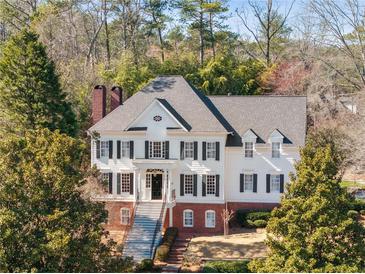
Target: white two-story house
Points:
(190, 156)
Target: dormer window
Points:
(275, 149)
(248, 149)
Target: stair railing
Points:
(131, 221)
(159, 224)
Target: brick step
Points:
(174, 256)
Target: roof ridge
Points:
(252, 96)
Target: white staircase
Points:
(145, 233)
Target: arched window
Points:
(210, 218)
(188, 218)
(124, 216)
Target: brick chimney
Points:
(99, 103)
(116, 97)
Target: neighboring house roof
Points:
(226, 114)
(263, 115)
(176, 95)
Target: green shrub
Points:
(248, 217)
(145, 265)
(358, 205)
(352, 214)
(162, 251)
(260, 223)
(260, 215)
(362, 212)
(226, 267)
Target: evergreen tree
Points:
(45, 223)
(30, 92)
(311, 231)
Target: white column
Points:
(136, 186)
(169, 187)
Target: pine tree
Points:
(45, 223)
(311, 231)
(30, 92)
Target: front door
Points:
(156, 187)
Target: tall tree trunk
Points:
(212, 33)
(201, 38)
(268, 34)
(161, 44)
(107, 44)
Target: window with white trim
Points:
(248, 149)
(211, 150)
(156, 150)
(275, 183)
(210, 184)
(125, 145)
(188, 184)
(125, 178)
(104, 148)
(189, 149)
(275, 149)
(248, 182)
(148, 180)
(124, 216)
(210, 218)
(188, 216)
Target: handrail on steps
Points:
(131, 221)
(159, 224)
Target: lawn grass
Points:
(348, 184)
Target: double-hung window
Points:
(189, 149)
(211, 150)
(157, 150)
(210, 218)
(188, 218)
(275, 150)
(275, 183)
(124, 216)
(211, 185)
(104, 148)
(125, 149)
(188, 184)
(125, 178)
(248, 149)
(248, 182)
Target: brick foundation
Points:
(199, 216)
(114, 220)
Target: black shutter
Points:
(118, 184)
(204, 185)
(97, 149)
(204, 151)
(268, 183)
(255, 183)
(167, 149)
(131, 184)
(146, 143)
(217, 185)
(217, 153)
(110, 183)
(110, 149)
(181, 184)
(131, 149)
(118, 149)
(195, 186)
(195, 150)
(281, 183)
(182, 150)
(242, 186)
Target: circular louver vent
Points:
(157, 118)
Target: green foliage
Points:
(362, 212)
(226, 267)
(226, 74)
(145, 265)
(30, 93)
(357, 205)
(352, 214)
(348, 184)
(310, 231)
(248, 217)
(162, 251)
(45, 223)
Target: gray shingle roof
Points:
(199, 113)
(186, 101)
(264, 114)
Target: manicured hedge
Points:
(145, 265)
(358, 205)
(162, 251)
(226, 267)
(253, 218)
